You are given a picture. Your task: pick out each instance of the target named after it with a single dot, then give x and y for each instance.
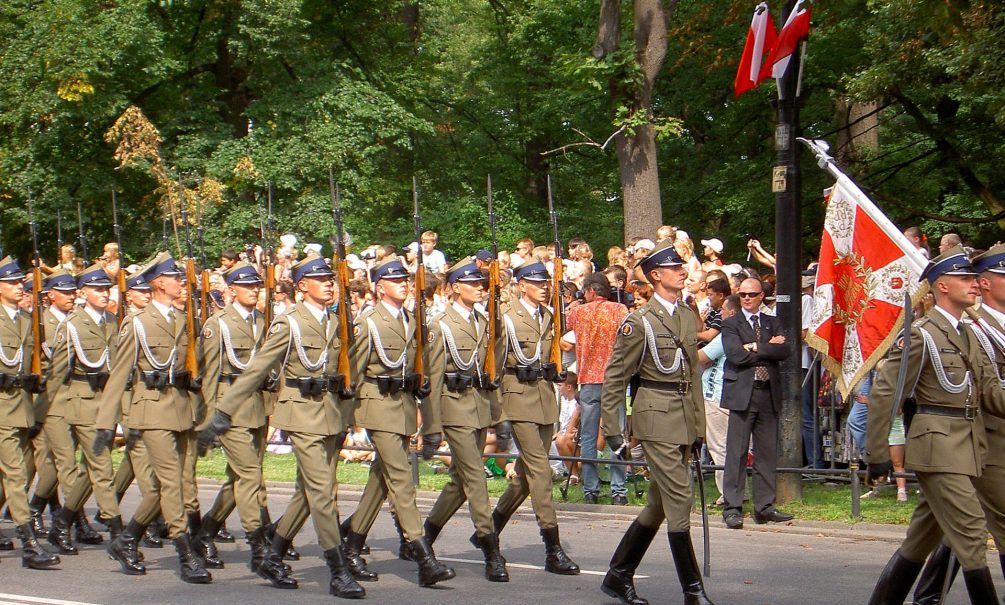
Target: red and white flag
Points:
(796, 27)
(867, 267)
(760, 40)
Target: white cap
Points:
(715, 244)
(414, 247)
(355, 262)
(681, 235)
(288, 240)
(315, 248)
(515, 260)
(731, 269)
(644, 244)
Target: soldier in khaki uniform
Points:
(230, 341)
(953, 386)
(303, 344)
(149, 373)
(461, 403)
(16, 386)
(81, 360)
(383, 354)
(668, 418)
(529, 403)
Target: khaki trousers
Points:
(166, 452)
(949, 510)
(533, 474)
(390, 478)
(13, 444)
(467, 481)
(670, 494)
(97, 479)
(317, 468)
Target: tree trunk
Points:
(640, 183)
(859, 129)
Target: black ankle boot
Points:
(356, 563)
(556, 561)
(84, 533)
(124, 547)
(895, 581)
(224, 535)
(6, 543)
(152, 534)
(619, 581)
(404, 553)
(192, 570)
(33, 555)
(980, 586)
(346, 527)
(59, 534)
(499, 521)
(36, 508)
(271, 567)
(342, 584)
(687, 568)
(933, 576)
(495, 564)
(203, 531)
(431, 571)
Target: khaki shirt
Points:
(528, 402)
(220, 348)
(75, 400)
(16, 404)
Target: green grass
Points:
(820, 502)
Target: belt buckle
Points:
(683, 387)
(969, 412)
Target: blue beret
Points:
(311, 266)
(953, 262)
(663, 255)
(535, 271)
(10, 270)
(95, 277)
(389, 269)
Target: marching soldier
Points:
(384, 358)
(461, 403)
(148, 375)
(302, 344)
(658, 343)
(230, 342)
(85, 347)
(952, 385)
(530, 405)
(16, 386)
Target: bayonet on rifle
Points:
(492, 306)
(121, 311)
(420, 286)
(342, 275)
(554, 365)
(83, 236)
(35, 382)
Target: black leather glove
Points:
(696, 447)
(423, 390)
(102, 440)
(132, 436)
(34, 430)
(504, 436)
(877, 471)
(219, 425)
(617, 445)
(431, 443)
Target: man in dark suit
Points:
(752, 392)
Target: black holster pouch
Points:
(411, 383)
(456, 382)
(910, 409)
(528, 374)
(271, 385)
(333, 383)
(552, 372)
(154, 379)
(310, 387)
(32, 383)
(9, 382)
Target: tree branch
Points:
(589, 142)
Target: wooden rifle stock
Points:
(342, 275)
(558, 277)
(37, 328)
(121, 310)
(495, 283)
(204, 300)
(191, 364)
(420, 287)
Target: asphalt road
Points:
(822, 564)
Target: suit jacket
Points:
(528, 402)
(994, 426)
(243, 342)
(75, 400)
(657, 415)
(738, 373)
(320, 414)
(936, 443)
(392, 413)
(16, 404)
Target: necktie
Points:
(760, 372)
(474, 322)
(963, 337)
(251, 322)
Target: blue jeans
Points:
(857, 417)
(812, 446)
(589, 431)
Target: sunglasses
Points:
(749, 294)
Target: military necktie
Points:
(964, 338)
(760, 372)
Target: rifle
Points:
(420, 286)
(492, 306)
(165, 240)
(122, 265)
(558, 322)
(204, 289)
(342, 274)
(59, 238)
(35, 382)
(83, 237)
(270, 273)
(191, 329)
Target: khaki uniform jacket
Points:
(16, 404)
(993, 425)
(528, 402)
(74, 400)
(474, 408)
(242, 342)
(392, 413)
(313, 414)
(51, 326)
(657, 415)
(935, 443)
(168, 408)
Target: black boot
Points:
(114, 526)
(291, 553)
(895, 582)
(980, 586)
(259, 545)
(499, 521)
(430, 532)
(687, 568)
(203, 531)
(933, 576)
(223, 535)
(346, 527)
(33, 555)
(271, 567)
(36, 507)
(6, 543)
(431, 571)
(59, 534)
(495, 564)
(556, 561)
(152, 534)
(356, 563)
(84, 533)
(342, 584)
(403, 550)
(192, 570)
(619, 581)
(124, 547)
